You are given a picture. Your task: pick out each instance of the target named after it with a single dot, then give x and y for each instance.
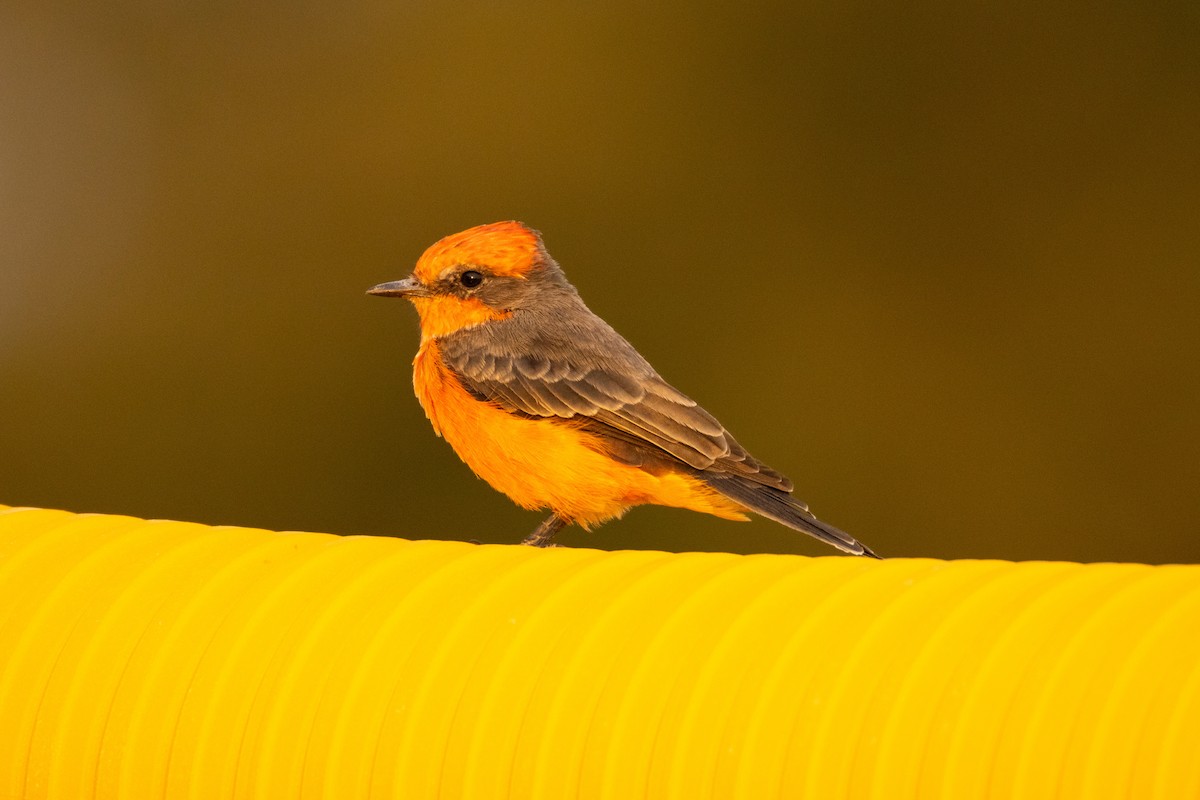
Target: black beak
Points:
(405, 288)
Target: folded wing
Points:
(606, 387)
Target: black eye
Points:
(471, 278)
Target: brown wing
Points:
(599, 380)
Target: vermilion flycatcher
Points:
(548, 404)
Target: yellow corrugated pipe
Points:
(167, 659)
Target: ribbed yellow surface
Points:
(164, 659)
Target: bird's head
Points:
(482, 274)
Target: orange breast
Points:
(542, 463)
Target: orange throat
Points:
(441, 315)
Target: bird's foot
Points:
(543, 536)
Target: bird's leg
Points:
(543, 536)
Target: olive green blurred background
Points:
(939, 263)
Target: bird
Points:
(551, 406)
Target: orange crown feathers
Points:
(505, 248)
